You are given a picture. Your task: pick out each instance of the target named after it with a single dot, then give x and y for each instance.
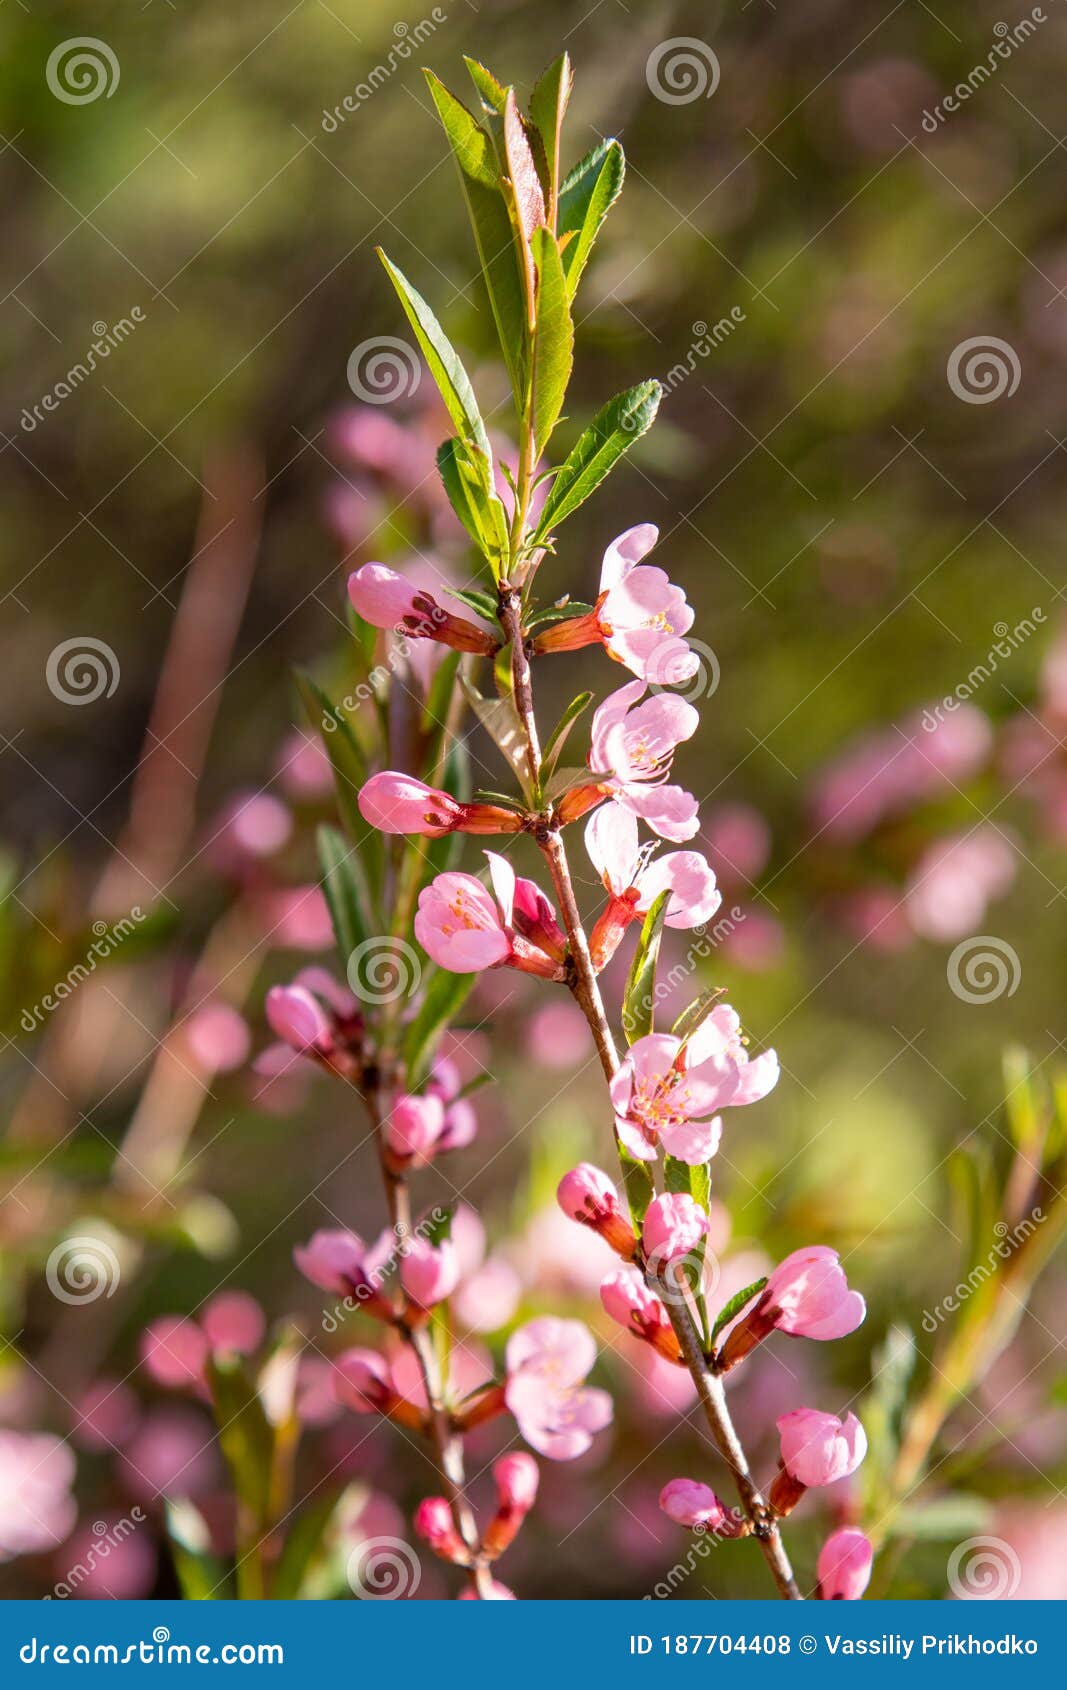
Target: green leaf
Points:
(611, 433)
(548, 106)
(350, 771)
(443, 997)
(558, 737)
(639, 1002)
(637, 1181)
(483, 604)
(735, 1305)
(436, 715)
(438, 1226)
(500, 720)
(303, 1543)
(492, 93)
(585, 199)
(565, 780)
(553, 346)
(344, 889)
(245, 1435)
(491, 220)
(952, 1517)
(445, 366)
(467, 482)
(697, 1013)
(696, 1181)
(201, 1576)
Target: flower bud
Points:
(673, 1227)
(627, 1299)
(695, 1505)
(429, 1272)
(817, 1449)
(517, 1478)
(398, 803)
(844, 1565)
(413, 1129)
(362, 1381)
(589, 1197)
(434, 1523)
(806, 1296)
(298, 1018)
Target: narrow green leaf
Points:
(953, 1517)
(436, 714)
(639, 1002)
(500, 720)
(548, 106)
(492, 93)
(522, 172)
(585, 199)
(443, 997)
(480, 174)
(565, 780)
(483, 604)
(697, 1013)
(735, 1305)
(466, 478)
(344, 889)
(303, 1544)
(558, 737)
(350, 773)
(443, 359)
(637, 1182)
(611, 433)
(553, 346)
(201, 1576)
(244, 1433)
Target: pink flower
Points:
(253, 825)
(806, 1296)
(429, 1272)
(37, 1510)
(639, 616)
(517, 1479)
(628, 1300)
(303, 767)
(463, 927)
(817, 1449)
(339, 1261)
(588, 1196)
(547, 1362)
(299, 1019)
(692, 1504)
(844, 1565)
(363, 1381)
(665, 1091)
(233, 1323)
(413, 1128)
(398, 803)
(886, 772)
(673, 1227)
(386, 600)
(954, 881)
(434, 1524)
(635, 880)
(633, 743)
(175, 1351)
(217, 1038)
(739, 842)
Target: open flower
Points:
(817, 1449)
(844, 1565)
(547, 1362)
(387, 600)
(639, 616)
(463, 927)
(337, 1260)
(806, 1296)
(398, 803)
(665, 1091)
(633, 743)
(635, 880)
(363, 1380)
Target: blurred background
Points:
(855, 294)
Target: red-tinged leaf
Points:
(525, 182)
(548, 104)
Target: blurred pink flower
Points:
(104, 1415)
(886, 772)
(174, 1452)
(558, 1036)
(217, 1038)
(547, 1362)
(303, 767)
(113, 1559)
(429, 1272)
(252, 826)
(37, 1510)
(956, 879)
(739, 841)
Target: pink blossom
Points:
(954, 881)
(363, 1380)
(558, 1035)
(588, 1196)
(633, 743)
(434, 1524)
(37, 1510)
(429, 1272)
(635, 880)
(844, 1565)
(517, 1478)
(690, 1503)
(386, 600)
(297, 918)
(303, 766)
(639, 616)
(547, 1362)
(807, 1296)
(252, 826)
(628, 1300)
(105, 1415)
(673, 1226)
(819, 1449)
(175, 1351)
(739, 841)
(463, 927)
(665, 1091)
(339, 1261)
(109, 1562)
(886, 772)
(299, 1019)
(488, 1299)
(233, 1323)
(413, 1128)
(173, 1452)
(217, 1038)
(398, 803)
